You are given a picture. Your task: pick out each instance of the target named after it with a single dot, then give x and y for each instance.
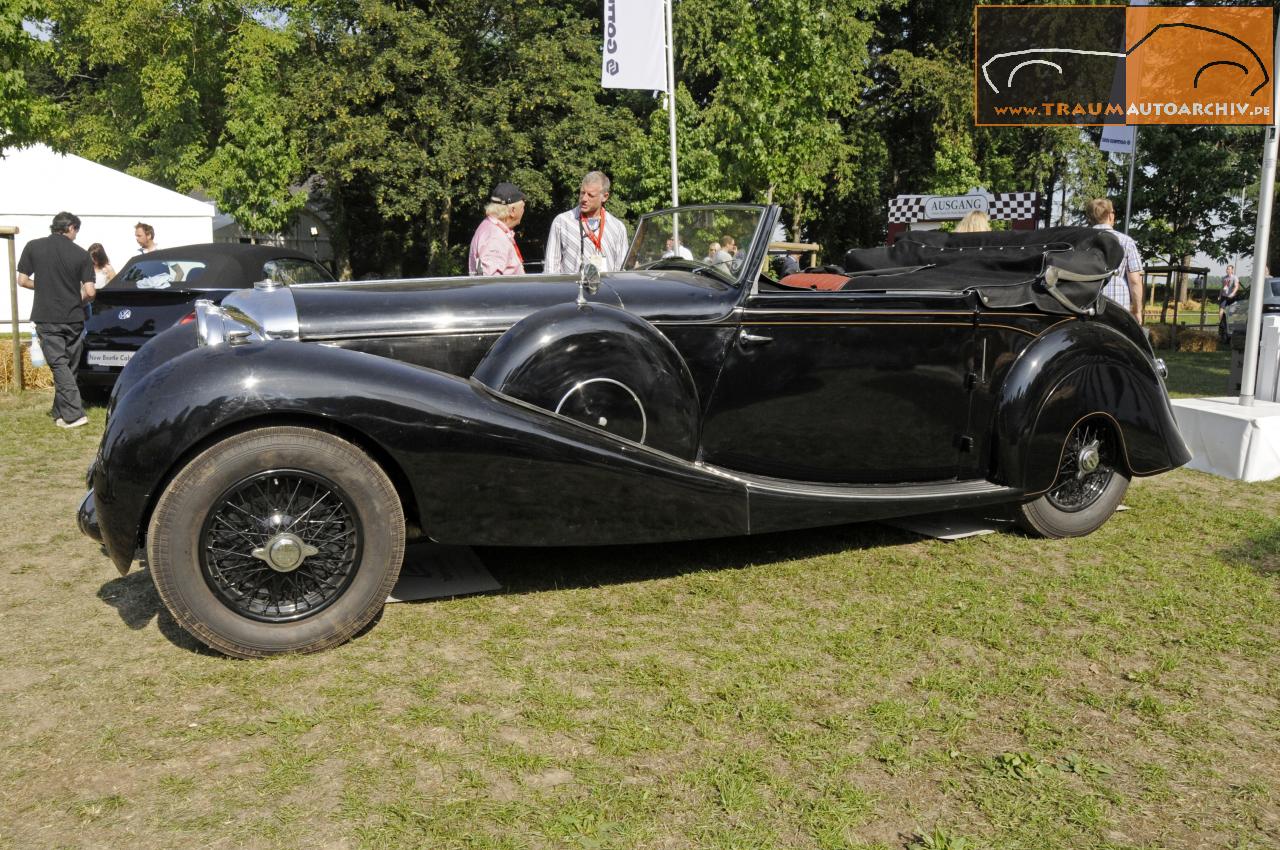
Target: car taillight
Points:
(188, 319)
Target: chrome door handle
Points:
(746, 338)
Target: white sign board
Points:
(1117, 139)
(944, 207)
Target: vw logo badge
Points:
(124, 314)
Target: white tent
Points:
(36, 184)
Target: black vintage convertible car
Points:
(270, 462)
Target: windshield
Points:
(289, 271)
(717, 239)
(161, 274)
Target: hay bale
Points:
(1197, 340)
(32, 378)
(1189, 339)
(1161, 335)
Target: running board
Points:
(776, 504)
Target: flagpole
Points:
(1128, 201)
(671, 103)
(1261, 245)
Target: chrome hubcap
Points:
(1090, 459)
(284, 553)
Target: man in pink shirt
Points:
(493, 247)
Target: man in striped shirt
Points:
(587, 231)
(1125, 286)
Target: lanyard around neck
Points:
(596, 239)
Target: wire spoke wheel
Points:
(1091, 482)
(280, 545)
(1086, 469)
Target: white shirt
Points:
(568, 239)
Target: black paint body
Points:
(762, 409)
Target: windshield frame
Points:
(754, 255)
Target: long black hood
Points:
(468, 305)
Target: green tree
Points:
(250, 170)
(783, 82)
(411, 111)
(26, 115)
(1186, 194)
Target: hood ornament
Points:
(588, 281)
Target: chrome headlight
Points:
(253, 315)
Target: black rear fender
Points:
(1080, 370)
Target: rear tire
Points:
(276, 540)
(1090, 485)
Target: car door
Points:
(846, 387)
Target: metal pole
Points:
(671, 104)
(1128, 200)
(7, 233)
(1262, 240)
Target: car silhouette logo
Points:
(1216, 49)
(124, 314)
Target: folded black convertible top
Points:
(1006, 269)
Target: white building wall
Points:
(36, 184)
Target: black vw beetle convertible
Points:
(269, 461)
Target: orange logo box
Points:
(1199, 65)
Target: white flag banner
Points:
(1117, 139)
(634, 45)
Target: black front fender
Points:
(608, 364)
(1079, 370)
(483, 469)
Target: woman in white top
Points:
(103, 271)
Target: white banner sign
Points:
(944, 208)
(634, 45)
(1117, 139)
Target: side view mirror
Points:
(588, 281)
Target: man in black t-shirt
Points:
(61, 273)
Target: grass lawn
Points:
(1195, 374)
(854, 687)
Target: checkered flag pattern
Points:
(1011, 206)
(906, 208)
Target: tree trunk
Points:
(440, 240)
(1184, 281)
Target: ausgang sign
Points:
(944, 207)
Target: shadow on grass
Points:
(1259, 551)
(533, 570)
(135, 599)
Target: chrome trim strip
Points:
(862, 492)
(820, 312)
(409, 332)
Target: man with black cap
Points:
(493, 247)
(62, 275)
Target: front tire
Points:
(276, 540)
(1090, 485)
